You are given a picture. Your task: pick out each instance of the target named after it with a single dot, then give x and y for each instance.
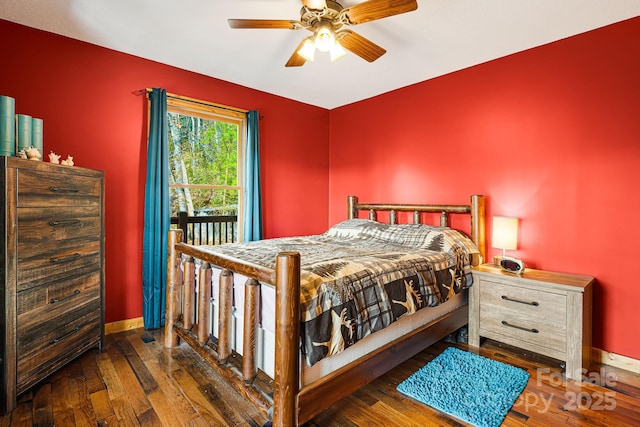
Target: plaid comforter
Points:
(361, 275)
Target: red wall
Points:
(84, 94)
(551, 135)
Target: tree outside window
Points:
(205, 153)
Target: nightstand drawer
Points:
(533, 305)
(522, 329)
(523, 314)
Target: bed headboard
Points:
(475, 209)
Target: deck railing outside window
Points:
(207, 230)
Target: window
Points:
(205, 163)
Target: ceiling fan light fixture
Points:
(337, 51)
(308, 49)
(325, 39)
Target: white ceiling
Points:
(441, 36)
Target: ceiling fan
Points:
(325, 19)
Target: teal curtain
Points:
(252, 221)
(156, 214)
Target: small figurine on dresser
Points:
(54, 158)
(68, 161)
(33, 154)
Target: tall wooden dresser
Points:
(51, 270)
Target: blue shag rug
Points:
(470, 387)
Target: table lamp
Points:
(505, 236)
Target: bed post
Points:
(352, 201)
(188, 292)
(204, 296)
(287, 357)
(478, 223)
(173, 301)
(225, 316)
(251, 317)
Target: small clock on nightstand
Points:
(540, 311)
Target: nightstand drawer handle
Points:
(65, 336)
(505, 323)
(506, 298)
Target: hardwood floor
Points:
(135, 381)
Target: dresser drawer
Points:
(46, 226)
(39, 264)
(52, 300)
(40, 188)
(524, 315)
(56, 341)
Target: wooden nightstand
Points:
(540, 311)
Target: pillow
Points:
(354, 228)
(441, 239)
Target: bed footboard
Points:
(188, 318)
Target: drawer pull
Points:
(65, 336)
(505, 323)
(55, 300)
(63, 190)
(64, 222)
(506, 298)
(65, 258)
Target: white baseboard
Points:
(123, 325)
(615, 360)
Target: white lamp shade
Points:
(324, 39)
(505, 233)
(308, 50)
(337, 52)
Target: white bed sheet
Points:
(266, 336)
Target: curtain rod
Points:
(147, 91)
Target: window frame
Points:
(206, 110)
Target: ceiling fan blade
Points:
(264, 23)
(359, 45)
(315, 4)
(296, 60)
(377, 9)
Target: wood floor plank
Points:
(21, 415)
(163, 409)
(123, 410)
(82, 408)
(200, 402)
(91, 373)
(42, 406)
(101, 405)
(62, 407)
(228, 403)
(134, 390)
(114, 386)
(176, 398)
(141, 372)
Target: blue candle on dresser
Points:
(23, 131)
(7, 126)
(36, 133)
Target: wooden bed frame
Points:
(291, 404)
